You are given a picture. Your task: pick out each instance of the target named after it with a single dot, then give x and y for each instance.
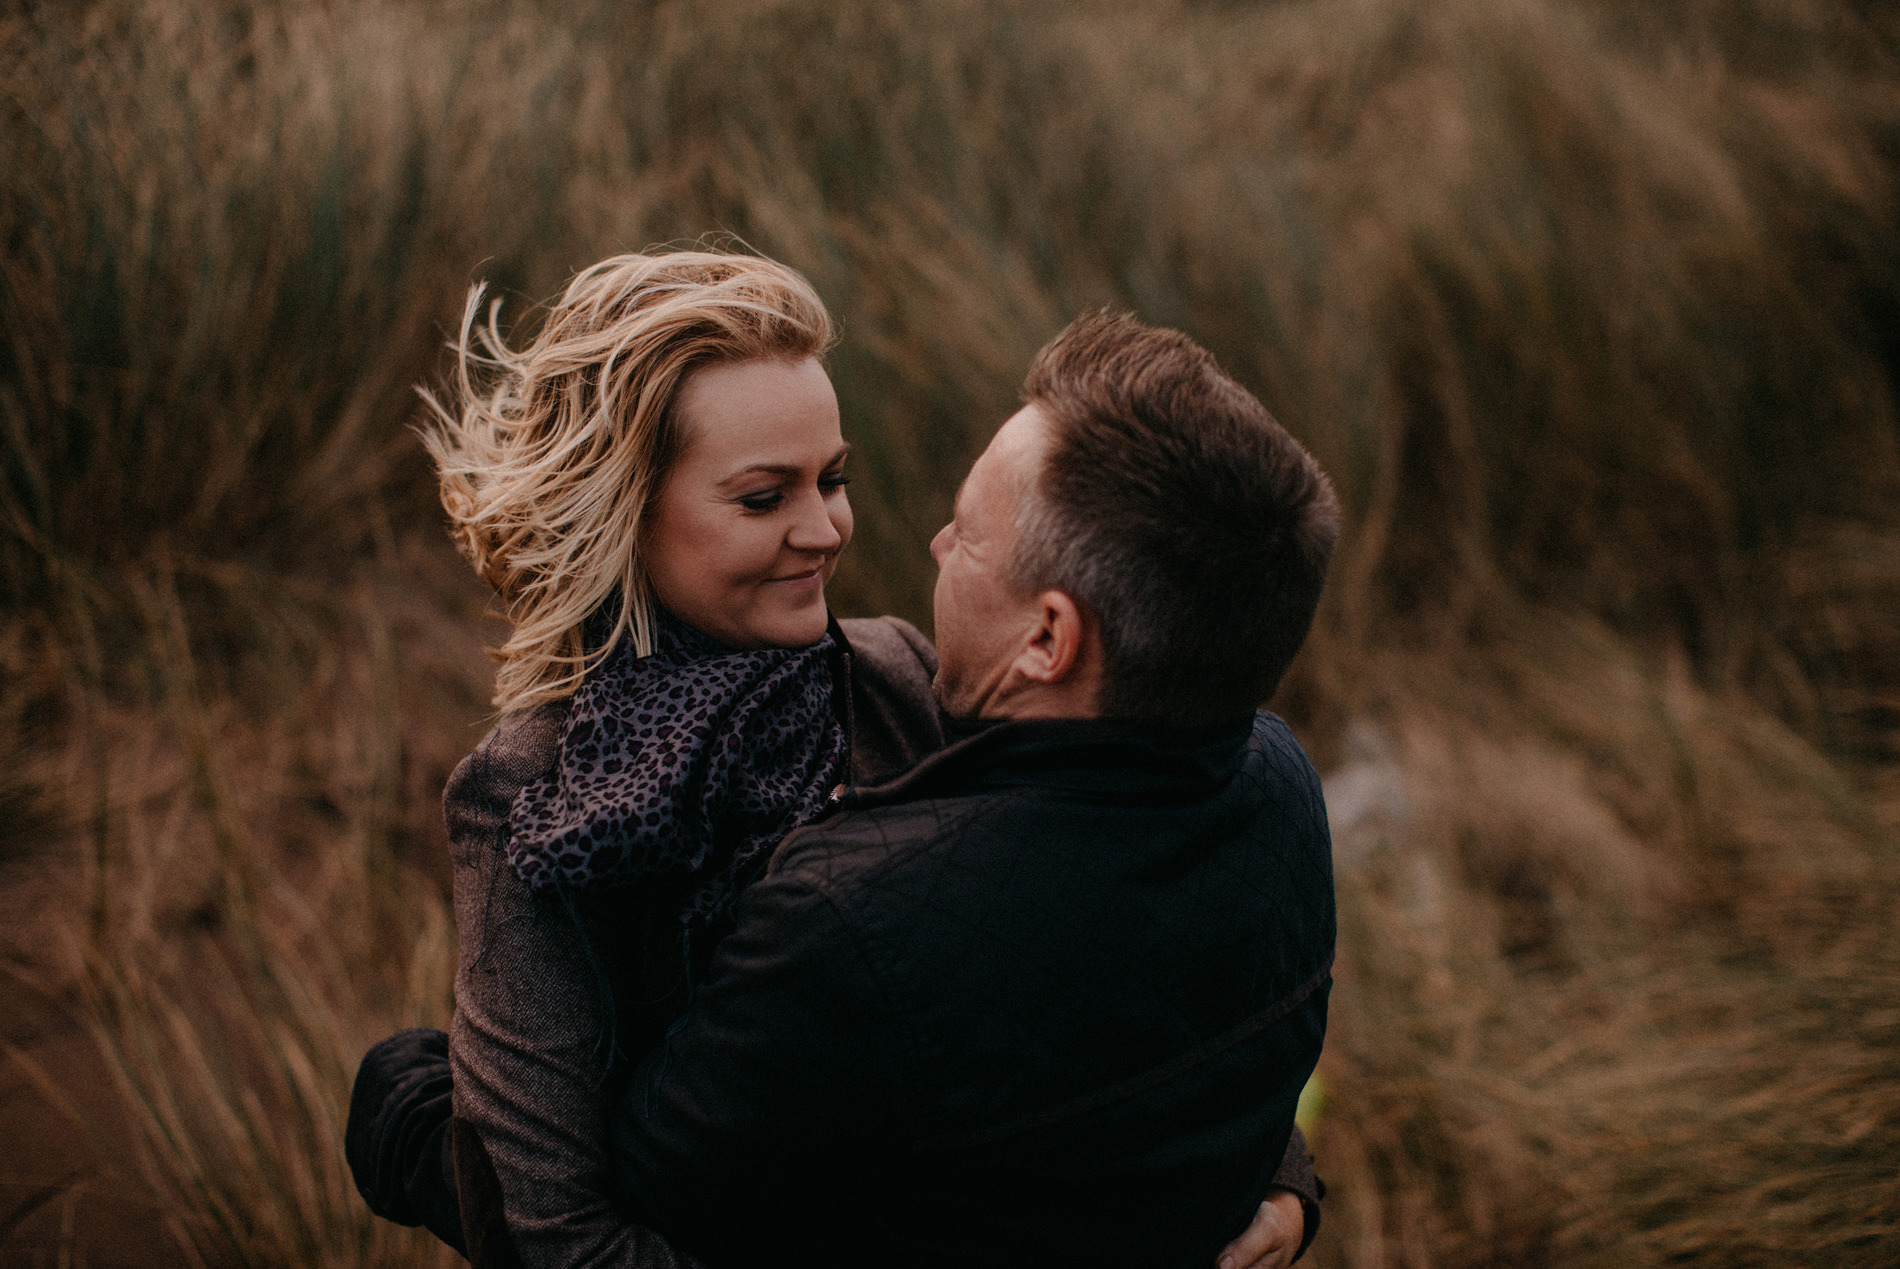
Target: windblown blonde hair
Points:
(550, 456)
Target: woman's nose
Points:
(812, 528)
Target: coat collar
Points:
(1100, 758)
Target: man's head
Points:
(1141, 540)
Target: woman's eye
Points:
(772, 499)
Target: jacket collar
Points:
(1100, 758)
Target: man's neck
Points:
(1070, 698)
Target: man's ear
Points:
(1059, 644)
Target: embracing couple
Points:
(795, 941)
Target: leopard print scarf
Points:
(687, 765)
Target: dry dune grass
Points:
(1587, 304)
(1619, 991)
(242, 901)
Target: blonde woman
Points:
(654, 486)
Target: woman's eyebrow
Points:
(766, 469)
(786, 470)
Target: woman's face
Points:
(750, 519)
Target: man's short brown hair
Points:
(1174, 508)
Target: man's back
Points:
(1052, 994)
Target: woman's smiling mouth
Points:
(815, 575)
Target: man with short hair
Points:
(1050, 995)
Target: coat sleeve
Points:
(529, 1050)
(1295, 1173)
(397, 1137)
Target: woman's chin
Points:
(808, 625)
(794, 625)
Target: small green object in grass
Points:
(1312, 1104)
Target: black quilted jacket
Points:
(1048, 997)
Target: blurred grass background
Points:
(1592, 308)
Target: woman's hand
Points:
(1273, 1239)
